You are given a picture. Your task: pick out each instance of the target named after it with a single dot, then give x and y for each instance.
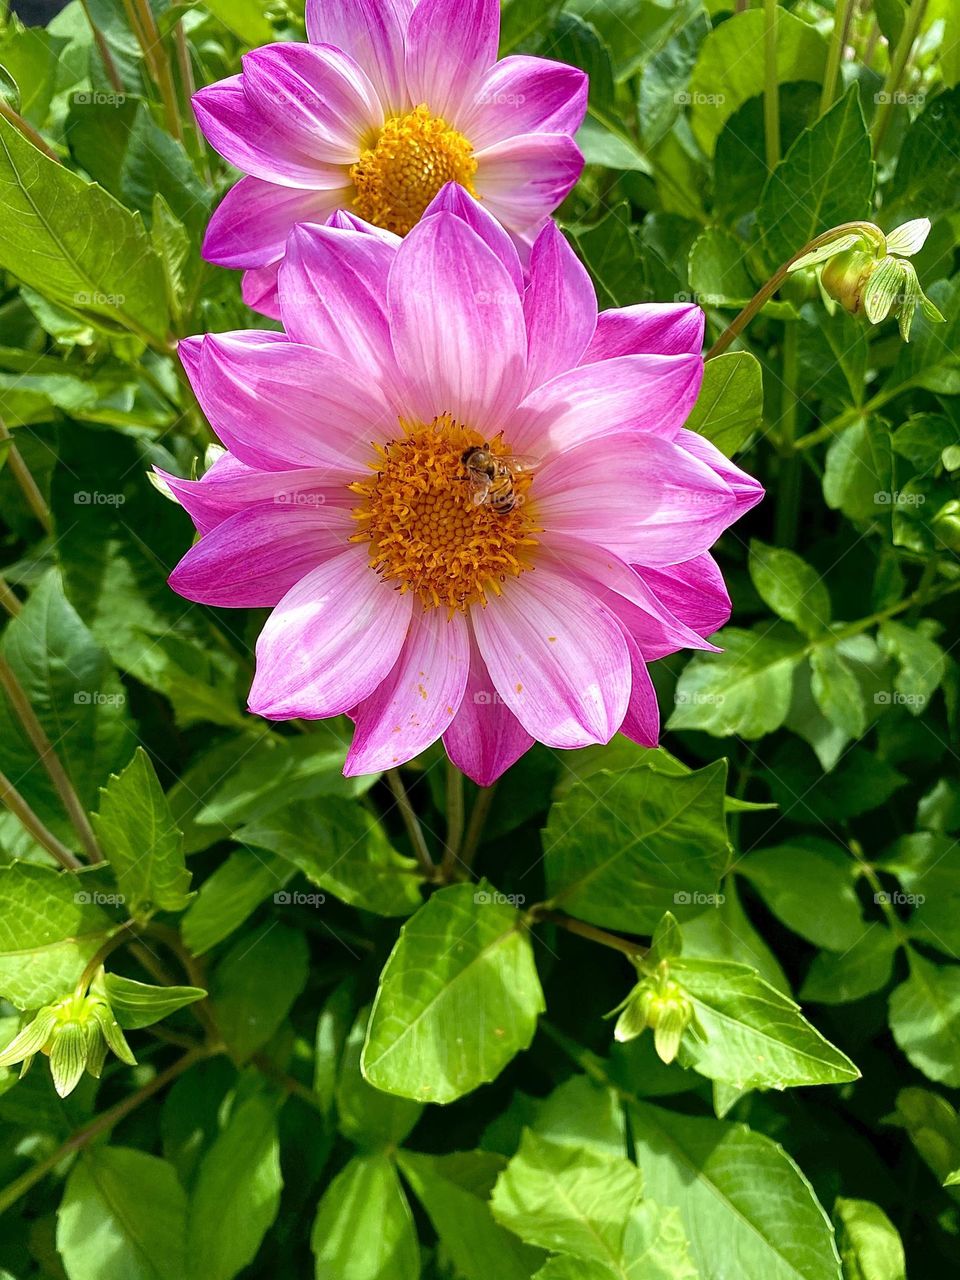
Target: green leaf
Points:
(237, 1193)
(477, 1245)
(753, 1036)
(652, 843)
(925, 1019)
(746, 1207)
(921, 660)
(231, 894)
(791, 587)
(75, 244)
(367, 1116)
(122, 1217)
(568, 1200)
(826, 178)
(141, 841)
(343, 848)
(50, 926)
(837, 691)
(870, 1245)
(610, 252)
(858, 475)
(137, 1004)
(731, 68)
(927, 178)
(744, 690)
(364, 1229)
(458, 998)
(718, 270)
(75, 695)
(254, 986)
(933, 1126)
(729, 408)
(31, 57)
(810, 887)
(724, 932)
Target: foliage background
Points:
(829, 722)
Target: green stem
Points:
(788, 497)
(412, 823)
(766, 291)
(11, 798)
(454, 821)
(96, 960)
(478, 820)
(541, 915)
(28, 486)
(891, 86)
(849, 416)
(98, 1125)
(915, 600)
(842, 17)
(49, 759)
(771, 88)
(113, 75)
(8, 600)
(27, 129)
(880, 896)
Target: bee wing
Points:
(520, 462)
(479, 486)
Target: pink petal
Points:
(642, 721)
(344, 220)
(656, 328)
(694, 592)
(648, 394)
(372, 33)
(229, 486)
(454, 199)
(259, 289)
(485, 738)
(525, 95)
(330, 641)
(233, 126)
(250, 226)
(457, 325)
(638, 495)
(333, 294)
(313, 99)
(418, 699)
(623, 590)
(450, 44)
(251, 559)
(278, 405)
(523, 179)
(747, 490)
(560, 308)
(557, 657)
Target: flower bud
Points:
(661, 1004)
(844, 278)
(74, 1034)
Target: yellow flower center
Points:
(411, 159)
(428, 532)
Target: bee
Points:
(492, 477)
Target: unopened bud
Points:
(660, 1004)
(74, 1034)
(946, 524)
(844, 278)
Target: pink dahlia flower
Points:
(411, 589)
(388, 101)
